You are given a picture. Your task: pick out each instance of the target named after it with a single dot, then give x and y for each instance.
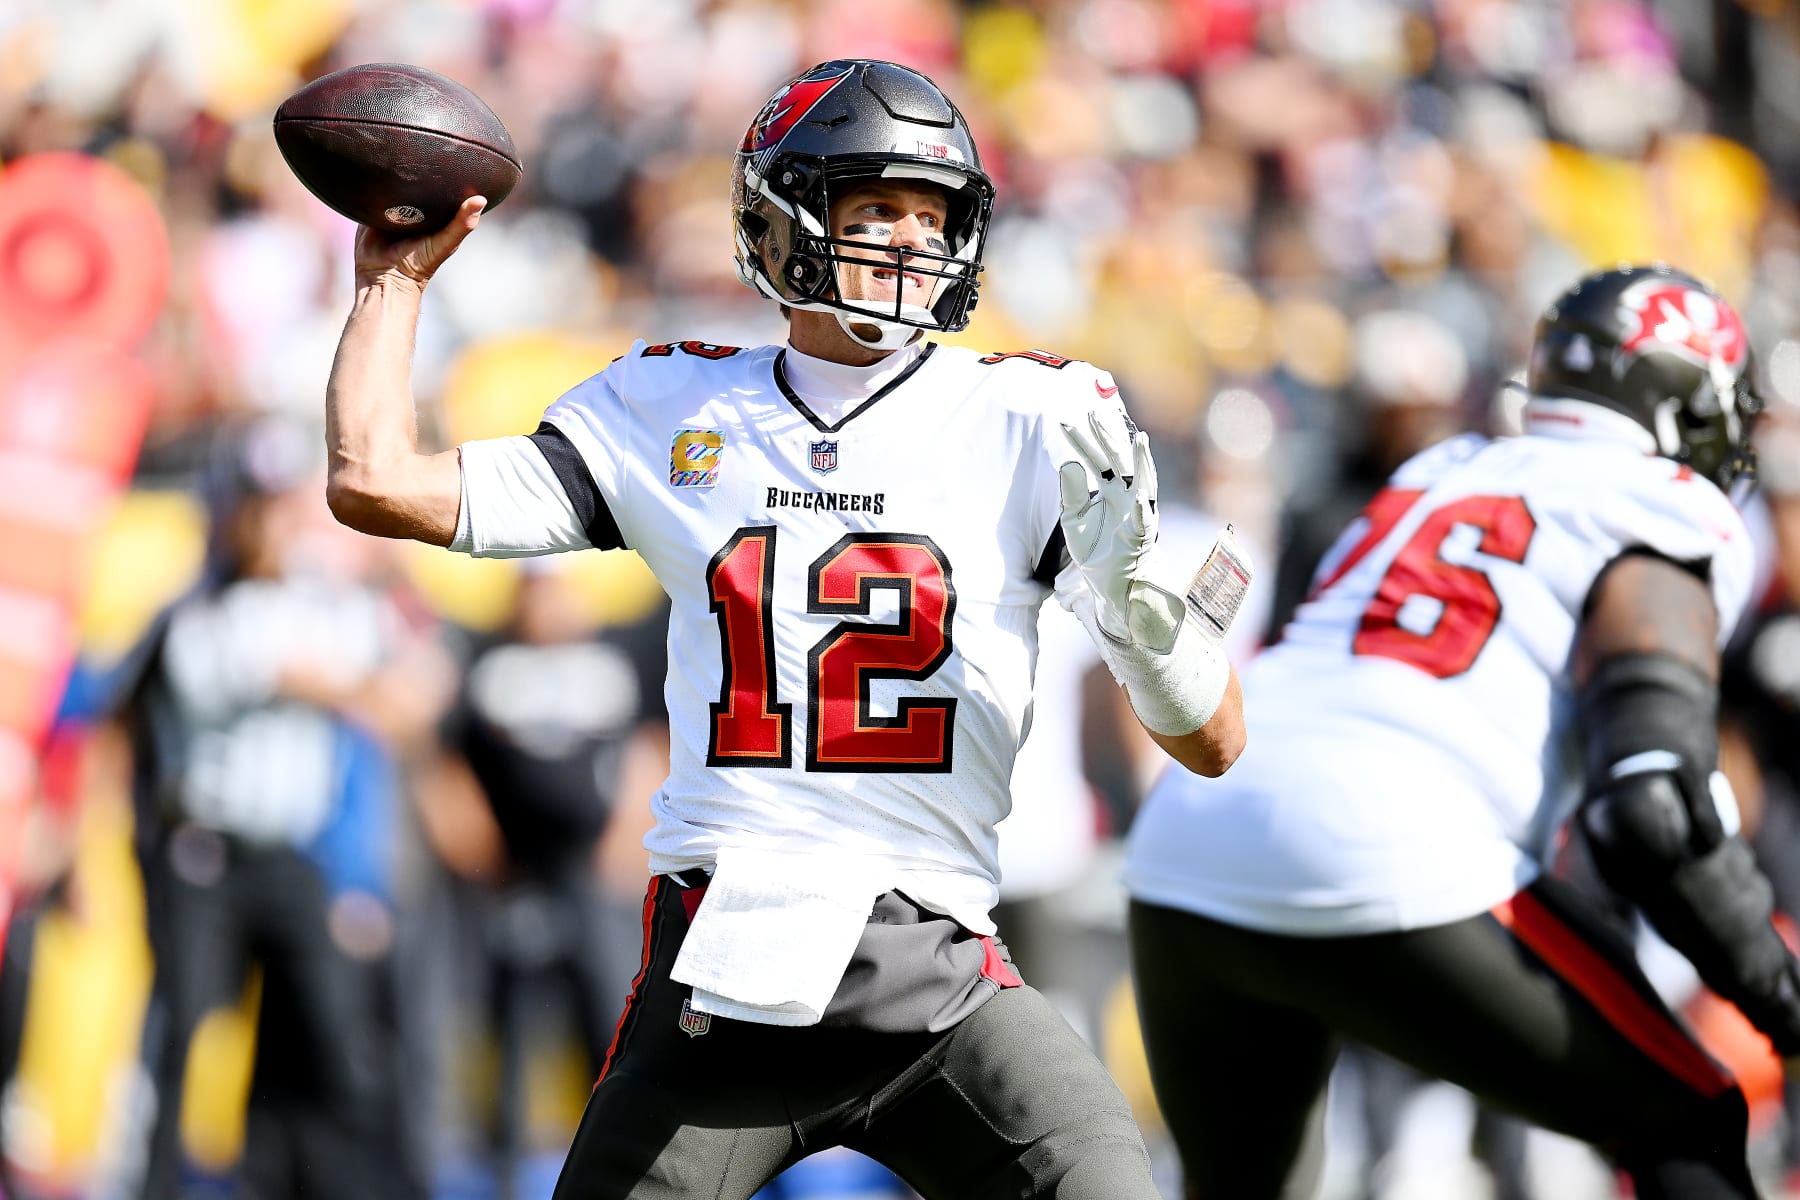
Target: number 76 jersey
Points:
(854, 602)
(1414, 752)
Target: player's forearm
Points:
(1211, 749)
(369, 419)
(379, 483)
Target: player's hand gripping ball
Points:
(395, 147)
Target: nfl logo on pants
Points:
(824, 456)
(694, 1023)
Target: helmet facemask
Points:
(835, 127)
(802, 260)
(1708, 423)
(1721, 417)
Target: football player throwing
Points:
(856, 530)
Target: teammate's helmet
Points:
(843, 121)
(1664, 349)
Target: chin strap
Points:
(892, 334)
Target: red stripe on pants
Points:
(643, 970)
(1589, 972)
(995, 968)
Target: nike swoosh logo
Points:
(1106, 393)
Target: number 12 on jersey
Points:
(752, 728)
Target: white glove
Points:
(1109, 523)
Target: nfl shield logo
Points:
(694, 1023)
(824, 456)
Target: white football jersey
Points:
(855, 603)
(1412, 752)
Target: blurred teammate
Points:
(240, 705)
(1373, 868)
(1411, 377)
(856, 531)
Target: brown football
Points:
(395, 147)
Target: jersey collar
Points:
(860, 387)
(1578, 420)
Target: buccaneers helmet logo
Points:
(791, 103)
(1695, 325)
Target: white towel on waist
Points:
(774, 933)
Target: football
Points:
(395, 147)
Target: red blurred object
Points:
(84, 268)
(1736, 1044)
(77, 404)
(83, 251)
(1211, 33)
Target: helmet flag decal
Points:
(1684, 320)
(785, 109)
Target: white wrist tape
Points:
(1174, 693)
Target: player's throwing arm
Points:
(413, 158)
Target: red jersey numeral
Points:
(697, 349)
(1042, 357)
(842, 735)
(1470, 607)
(748, 727)
(751, 729)
(1382, 513)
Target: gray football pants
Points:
(1539, 1008)
(1007, 1103)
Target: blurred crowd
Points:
(336, 860)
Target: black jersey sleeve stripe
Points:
(590, 506)
(1050, 563)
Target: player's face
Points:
(889, 215)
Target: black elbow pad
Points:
(1641, 829)
(1655, 715)
(1652, 744)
